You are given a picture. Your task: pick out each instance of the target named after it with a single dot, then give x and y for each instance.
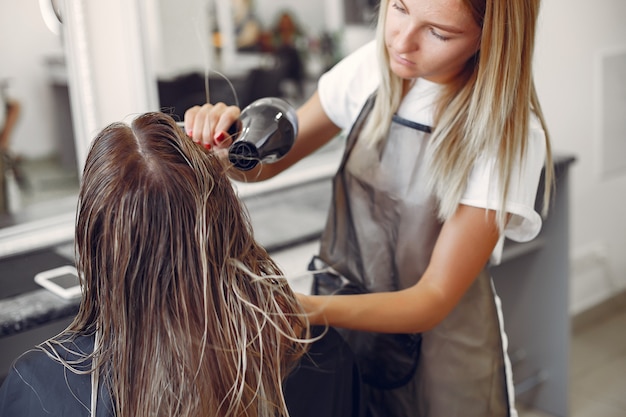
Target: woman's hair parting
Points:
(485, 112)
(192, 316)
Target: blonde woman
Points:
(444, 155)
(183, 312)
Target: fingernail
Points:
(219, 137)
(207, 146)
(190, 133)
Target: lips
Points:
(400, 59)
(403, 62)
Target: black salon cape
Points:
(39, 386)
(324, 384)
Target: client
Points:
(183, 312)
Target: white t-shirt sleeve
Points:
(344, 89)
(483, 191)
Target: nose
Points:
(406, 40)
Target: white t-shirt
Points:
(344, 90)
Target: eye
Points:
(438, 35)
(399, 7)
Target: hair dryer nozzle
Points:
(243, 155)
(268, 129)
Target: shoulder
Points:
(28, 365)
(27, 380)
(344, 88)
(44, 386)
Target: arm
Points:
(208, 123)
(461, 252)
(13, 111)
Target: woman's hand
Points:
(209, 124)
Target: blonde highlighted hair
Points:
(485, 111)
(192, 316)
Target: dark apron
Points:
(380, 232)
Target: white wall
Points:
(572, 36)
(180, 36)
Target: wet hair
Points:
(191, 315)
(485, 112)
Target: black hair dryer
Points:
(267, 130)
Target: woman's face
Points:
(431, 39)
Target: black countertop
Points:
(23, 303)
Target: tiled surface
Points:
(598, 365)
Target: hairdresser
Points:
(444, 155)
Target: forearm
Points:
(416, 309)
(468, 238)
(11, 119)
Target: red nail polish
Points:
(207, 146)
(220, 137)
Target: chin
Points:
(404, 73)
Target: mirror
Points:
(38, 172)
(160, 43)
(243, 50)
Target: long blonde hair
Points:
(193, 317)
(486, 111)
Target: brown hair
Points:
(192, 316)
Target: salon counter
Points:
(24, 305)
